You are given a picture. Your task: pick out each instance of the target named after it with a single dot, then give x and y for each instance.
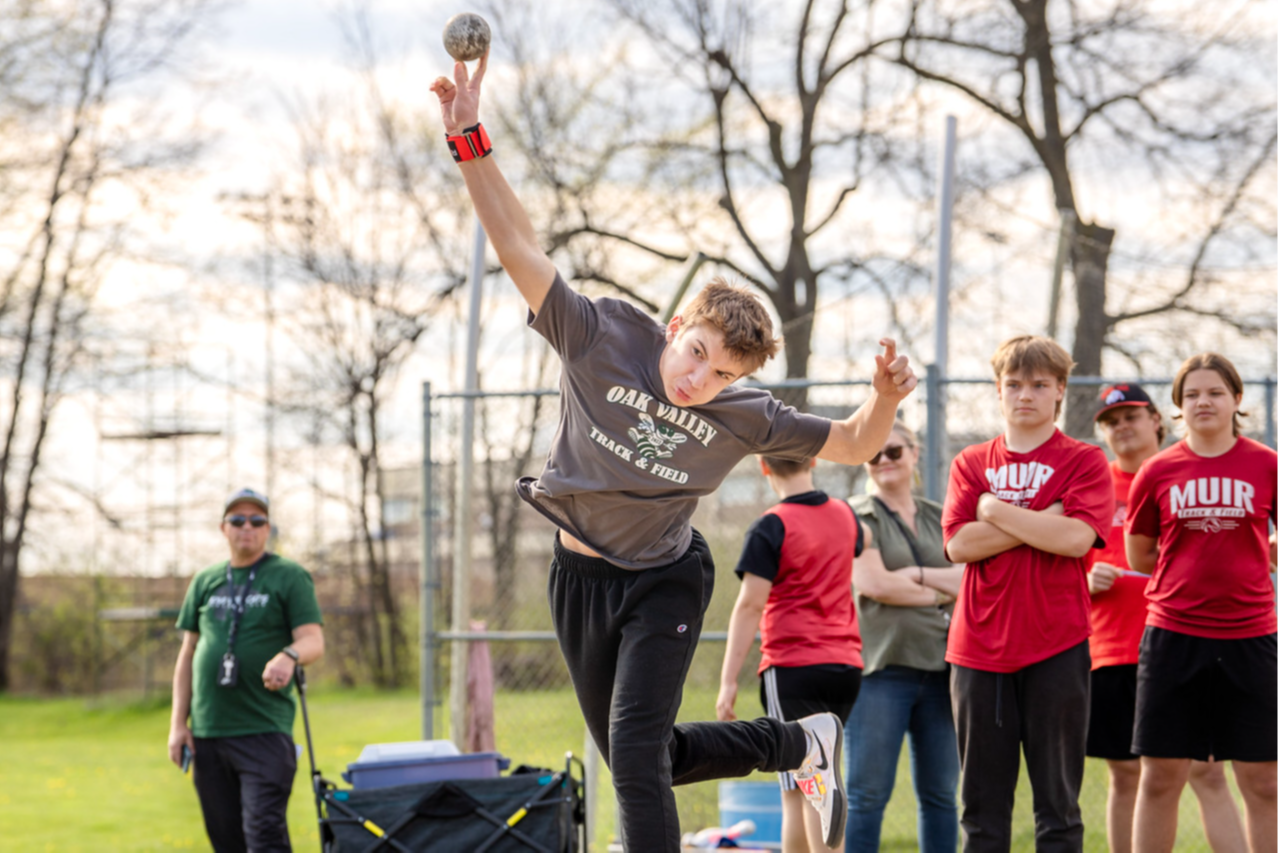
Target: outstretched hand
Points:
(893, 377)
(460, 97)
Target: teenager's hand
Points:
(1101, 577)
(893, 377)
(460, 97)
(725, 702)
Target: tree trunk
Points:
(1089, 256)
(8, 609)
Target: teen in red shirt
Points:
(1199, 520)
(1022, 510)
(1134, 430)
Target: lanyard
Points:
(238, 599)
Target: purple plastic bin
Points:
(407, 770)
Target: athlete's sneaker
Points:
(819, 777)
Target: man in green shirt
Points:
(247, 622)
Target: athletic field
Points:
(78, 775)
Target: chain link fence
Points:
(537, 719)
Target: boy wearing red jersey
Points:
(1022, 511)
(1134, 430)
(796, 570)
(1199, 520)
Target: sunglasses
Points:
(239, 520)
(893, 453)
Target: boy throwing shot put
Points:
(649, 422)
(1023, 510)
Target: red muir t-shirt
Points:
(1119, 613)
(1212, 578)
(1024, 605)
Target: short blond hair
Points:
(740, 317)
(1027, 355)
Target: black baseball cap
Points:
(1114, 396)
(247, 496)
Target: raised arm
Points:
(504, 219)
(857, 438)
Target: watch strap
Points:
(471, 144)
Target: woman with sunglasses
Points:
(1198, 523)
(903, 589)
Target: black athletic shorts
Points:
(791, 692)
(1205, 698)
(1114, 704)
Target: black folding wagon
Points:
(531, 810)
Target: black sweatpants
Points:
(628, 638)
(1041, 709)
(244, 785)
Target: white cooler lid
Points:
(376, 753)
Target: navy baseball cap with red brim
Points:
(1114, 396)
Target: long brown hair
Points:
(1224, 368)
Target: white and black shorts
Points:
(790, 692)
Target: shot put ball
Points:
(466, 36)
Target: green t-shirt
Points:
(902, 636)
(281, 599)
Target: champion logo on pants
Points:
(682, 628)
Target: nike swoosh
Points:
(821, 750)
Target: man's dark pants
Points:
(628, 638)
(1042, 709)
(244, 784)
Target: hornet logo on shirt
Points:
(656, 441)
(1211, 504)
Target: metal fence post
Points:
(1270, 411)
(426, 579)
(934, 442)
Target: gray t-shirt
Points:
(902, 636)
(626, 466)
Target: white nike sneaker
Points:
(820, 777)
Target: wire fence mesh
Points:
(511, 551)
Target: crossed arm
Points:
(1001, 526)
(910, 586)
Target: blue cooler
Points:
(759, 801)
(384, 764)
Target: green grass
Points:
(90, 776)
